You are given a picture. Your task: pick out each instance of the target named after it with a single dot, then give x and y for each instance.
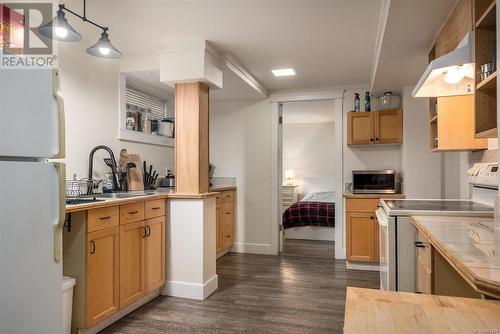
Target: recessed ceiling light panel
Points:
(284, 72)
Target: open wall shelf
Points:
(485, 52)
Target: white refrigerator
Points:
(32, 201)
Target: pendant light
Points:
(103, 48)
(60, 29)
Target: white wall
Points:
(308, 149)
(240, 146)
(421, 169)
(90, 90)
(373, 157)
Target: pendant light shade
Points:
(103, 48)
(60, 29)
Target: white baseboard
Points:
(120, 314)
(362, 266)
(320, 233)
(221, 254)
(189, 290)
(252, 248)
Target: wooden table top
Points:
(470, 244)
(387, 312)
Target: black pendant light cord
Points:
(84, 17)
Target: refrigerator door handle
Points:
(58, 227)
(61, 116)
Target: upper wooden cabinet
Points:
(455, 122)
(375, 127)
(454, 29)
(486, 90)
(452, 128)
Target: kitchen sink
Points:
(74, 201)
(123, 195)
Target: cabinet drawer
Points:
(227, 196)
(155, 208)
(130, 213)
(288, 191)
(362, 204)
(102, 218)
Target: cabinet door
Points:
(360, 128)
(217, 229)
(227, 225)
(361, 236)
(388, 127)
(132, 262)
(155, 253)
(102, 275)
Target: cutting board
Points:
(134, 177)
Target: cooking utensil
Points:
(134, 176)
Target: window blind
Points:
(138, 98)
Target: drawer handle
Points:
(228, 213)
(92, 243)
(371, 217)
(156, 208)
(148, 231)
(105, 218)
(133, 212)
(145, 232)
(420, 244)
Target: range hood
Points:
(451, 74)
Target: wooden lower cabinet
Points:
(227, 225)
(217, 229)
(155, 253)
(113, 266)
(132, 263)
(102, 271)
(362, 231)
(225, 204)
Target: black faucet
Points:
(116, 182)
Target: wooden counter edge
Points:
(490, 288)
(119, 201)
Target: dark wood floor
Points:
(301, 291)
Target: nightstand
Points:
(289, 196)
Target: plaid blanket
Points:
(309, 214)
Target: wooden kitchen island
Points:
(390, 312)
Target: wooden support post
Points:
(191, 138)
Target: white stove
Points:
(397, 233)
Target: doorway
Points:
(320, 185)
(309, 170)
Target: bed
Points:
(313, 217)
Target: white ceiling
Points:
(328, 42)
(308, 112)
(409, 32)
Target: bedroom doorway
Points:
(333, 101)
(307, 163)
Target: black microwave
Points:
(383, 181)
